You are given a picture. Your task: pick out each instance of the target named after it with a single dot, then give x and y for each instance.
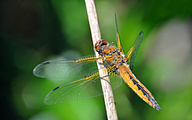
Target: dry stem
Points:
(105, 82)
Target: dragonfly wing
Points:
(87, 87)
(66, 69)
(118, 38)
(79, 89)
(138, 87)
(131, 54)
(115, 80)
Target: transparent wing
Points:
(131, 54)
(79, 89)
(119, 46)
(69, 70)
(66, 69)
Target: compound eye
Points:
(104, 42)
(100, 43)
(97, 46)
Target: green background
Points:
(35, 31)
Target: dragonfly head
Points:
(99, 44)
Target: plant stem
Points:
(105, 81)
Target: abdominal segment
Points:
(137, 86)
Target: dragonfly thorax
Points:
(111, 55)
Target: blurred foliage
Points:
(34, 31)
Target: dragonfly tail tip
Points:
(158, 108)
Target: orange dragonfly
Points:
(86, 73)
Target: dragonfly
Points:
(82, 77)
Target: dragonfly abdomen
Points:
(137, 86)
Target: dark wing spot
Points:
(55, 88)
(47, 62)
